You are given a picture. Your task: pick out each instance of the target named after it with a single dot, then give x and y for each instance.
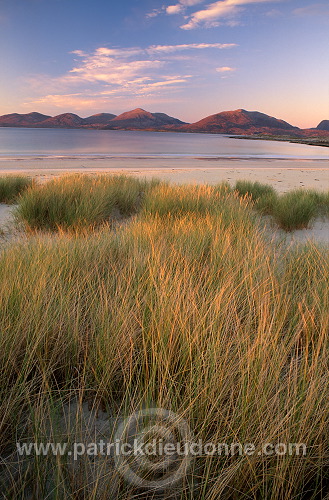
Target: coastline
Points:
(322, 141)
(282, 174)
(309, 137)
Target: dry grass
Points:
(187, 308)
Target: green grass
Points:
(293, 210)
(12, 187)
(81, 203)
(255, 190)
(264, 196)
(185, 307)
(296, 209)
(176, 201)
(76, 202)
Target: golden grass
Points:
(186, 307)
(78, 202)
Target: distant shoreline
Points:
(309, 141)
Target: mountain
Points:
(137, 119)
(140, 119)
(22, 120)
(168, 120)
(65, 120)
(324, 125)
(239, 121)
(99, 119)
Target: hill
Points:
(99, 119)
(240, 121)
(22, 120)
(137, 119)
(65, 120)
(140, 119)
(324, 125)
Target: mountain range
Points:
(137, 119)
(239, 122)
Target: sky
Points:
(186, 58)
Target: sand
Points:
(6, 216)
(283, 175)
(319, 233)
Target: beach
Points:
(116, 291)
(282, 174)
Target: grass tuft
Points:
(296, 209)
(77, 202)
(12, 187)
(292, 210)
(255, 190)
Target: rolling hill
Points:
(140, 119)
(324, 125)
(22, 120)
(100, 119)
(238, 122)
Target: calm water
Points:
(47, 143)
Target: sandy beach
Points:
(283, 174)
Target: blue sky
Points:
(189, 58)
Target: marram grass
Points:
(80, 203)
(295, 209)
(11, 187)
(186, 307)
(76, 202)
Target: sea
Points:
(28, 143)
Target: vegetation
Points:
(75, 202)
(311, 141)
(296, 209)
(292, 210)
(185, 307)
(255, 190)
(11, 187)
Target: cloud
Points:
(180, 7)
(155, 13)
(67, 101)
(318, 9)
(114, 72)
(111, 72)
(176, 48)
(190, 3)
(117, 66)
(168, 82)
(174, 9)
(225, 69)
(217, 11)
